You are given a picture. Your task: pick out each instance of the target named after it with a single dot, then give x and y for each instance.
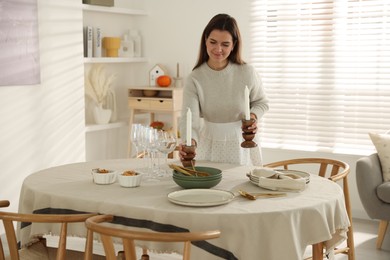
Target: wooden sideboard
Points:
(166, 100)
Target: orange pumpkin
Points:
(157, 125)
(164, 81)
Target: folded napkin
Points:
(272, 179)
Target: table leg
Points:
(318, 251)
(151, 117)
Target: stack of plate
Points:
(199, 182)
(255, 179)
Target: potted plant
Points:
(98, 87)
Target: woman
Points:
(214, 92)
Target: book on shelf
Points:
(97, 42)
(88, 41)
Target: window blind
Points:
(325, 66)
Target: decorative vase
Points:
(101, 115)
(112, 45)
(110, 102)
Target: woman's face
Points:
(219, 45)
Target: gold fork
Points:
(253, 196)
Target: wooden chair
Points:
(39, 250)
(99, 225)
(4, 203)
(337, 171)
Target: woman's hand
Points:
(253, 127)
(181, 151)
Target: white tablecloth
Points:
(276, 228)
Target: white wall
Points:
(43, 125)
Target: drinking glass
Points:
(135, 137)
(150, 141)
(166, 144)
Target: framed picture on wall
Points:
(19, 46)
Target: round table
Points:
(273, 228)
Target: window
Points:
(325, 66)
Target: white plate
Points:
(200, 197)
(272, 188)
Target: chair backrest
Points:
(9, 219)
(3, 204)
(332, 169)
(337, 169)
(99, 225)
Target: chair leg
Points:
(121, 255)
(89, 246)
(350, 243)
(145, 255)
(350, 238)
(381, 233)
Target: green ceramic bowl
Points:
(214, 174)
(189, 178)
(192, 182)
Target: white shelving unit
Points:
(114, 10)
(109, 60)
(104, 141)
(114, 60)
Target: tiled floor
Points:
(365, 234)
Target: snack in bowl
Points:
(129, 173)
(129, 178)
(101, 170)
(103, 176)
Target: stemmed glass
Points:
(150, 142)
(135, 137)
(138, 138)
(166, 143)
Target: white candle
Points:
(247, 106)
(189, 127)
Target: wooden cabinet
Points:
(166, 100)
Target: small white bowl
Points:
(103, 177)
(129, 181)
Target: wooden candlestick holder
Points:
(248, 134)
(188, 160)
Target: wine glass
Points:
(135, 137)
(166, 143)
(150, 142)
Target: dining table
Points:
(266, 228)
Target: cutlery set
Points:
(254, 196)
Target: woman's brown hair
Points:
(223, 22)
